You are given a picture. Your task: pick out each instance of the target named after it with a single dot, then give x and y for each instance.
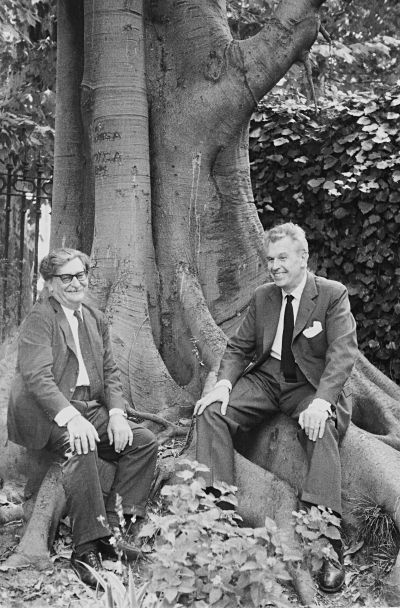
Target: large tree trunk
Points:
(175, 269)
(176, 257)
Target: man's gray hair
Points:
(58, 257)
(294, 231)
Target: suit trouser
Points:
(255, 397)
(133, 478)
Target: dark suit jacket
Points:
(47, 370)
(325, 359)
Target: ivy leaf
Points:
(355, 112)
(340, 213)
(332, 532)
(280, 141)
(396, 176)
(371, 127)
(383, 164)
(365, 207)
(330, 162)
(371, 107)
(315, 183)
(364, 120)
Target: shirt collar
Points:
(69, 312)
(297, 292)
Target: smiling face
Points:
(287, 263)
(70, 294)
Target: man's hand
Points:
(82, 435)
(119, 432)
(314, 418)
(218, 393)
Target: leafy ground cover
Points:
(59, 587)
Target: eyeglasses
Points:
(68, 278)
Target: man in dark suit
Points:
(67, 397)
(293, 353)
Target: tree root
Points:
(376, 403)
(34, 548)
(174, 430)
(370, 468)
(209, 339)
(10, 513)
(261, 494)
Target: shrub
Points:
(337, 174)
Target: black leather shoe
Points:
(331, 577)
(122, 548)
(90, 558)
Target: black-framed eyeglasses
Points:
(68, 278)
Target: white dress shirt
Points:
(277, 343)
(69, 412)
(276, 348)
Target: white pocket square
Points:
(316, 329)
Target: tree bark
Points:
(177, 257)
(70, 221)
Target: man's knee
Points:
(212, 412)
(143, 437)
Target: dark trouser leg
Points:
(250, 402)
(82, 488)
(323, 484)
(135, 464)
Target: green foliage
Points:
(315, 526)
(364, 54)
(27, 77)
(337, 174)
(377, 531)
(204, 559)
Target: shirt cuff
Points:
(117, 410)
(224, 382)
(66, 414)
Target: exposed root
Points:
(367, 370)
(34, 548)
(376, 407)
(11, 513)
(209, 339)
(174, 429)
(325, 34)
(308, 69)
(261, 494)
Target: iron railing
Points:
(23, 192)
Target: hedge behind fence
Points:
(337, 174)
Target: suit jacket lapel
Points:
(307, 304)
(64, 325)
(93, 334)
(273, 310)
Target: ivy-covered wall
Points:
(337, 174)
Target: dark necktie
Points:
(86, 350)
(288, 365)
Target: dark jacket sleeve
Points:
(35, 363)
(342, 347)
(240, 348)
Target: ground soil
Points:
(59, 586)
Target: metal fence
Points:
(24, 193)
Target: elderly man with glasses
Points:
(67, 398)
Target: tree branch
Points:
(268, 55)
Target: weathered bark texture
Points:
(174, 270)
(177, 257)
